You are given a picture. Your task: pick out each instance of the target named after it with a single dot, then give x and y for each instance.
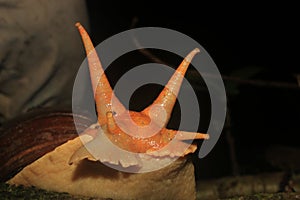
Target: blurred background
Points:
(255, 47)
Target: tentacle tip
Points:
(196, 50)
(207, 137)
(78, 24)
(191, 55)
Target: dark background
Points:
(250, 41)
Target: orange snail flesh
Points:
(158, 112)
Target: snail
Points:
(71, 167)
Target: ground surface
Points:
(11, 192)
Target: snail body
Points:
(67, 164)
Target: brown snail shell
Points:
(32, 135)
